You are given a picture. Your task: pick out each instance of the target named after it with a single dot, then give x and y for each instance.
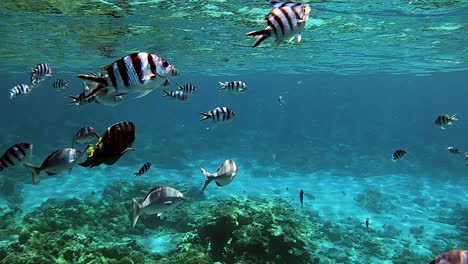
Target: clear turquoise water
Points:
(368, 79)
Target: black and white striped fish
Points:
(443, 120)
(285, 21)
(398, 155)
(85, 135)
(454, 151)
(20, 89)
(16, 155)
(178, 95)
(60, 84)
(187, 88)
(82, 99)
(234, 86)
(145, 168)
(40, 73)
(131, 74)
(219, 114)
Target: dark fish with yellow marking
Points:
(452, 257)
(398, 155)
(113, 143)
(444, 120)
(145, 168)
(16, 155)
(284, 22)
(57, 162)
(85, 135)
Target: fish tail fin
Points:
(207, 178)
(454, 118)
(179, 87)
(166, 93)
(99, 80)
(35, 173)
(136, 212)
(205, 116)
(74, 99)
(466, 155)
(223, 85)
(264, 34)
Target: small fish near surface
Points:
(60, 84)
(398, 155)
(113, 144)
(301, 197)
(233, 86)
(40, 73)
(444, 120)
(176, 95)
(145, 168)
(59, 161)
(186, 88)
(135, 73)
(219, 114)
(20, 89)
(16, 155)
(223, 175)
(285, 21)
(452, 257)
(85, 135)
(159, 200)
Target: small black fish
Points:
(398, 155)
(368, 223)
(301, 197)
(143, 169)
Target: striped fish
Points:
(452, 257)
(398, 155)
(454, 151)
(187, 88)
(16, 155)
(176, 95)
(40, 73)
(82, 99)
(285, 21)
(60, 84)
(132, 74)
(20, 89)
(143, 169)
(234, 86)
(219, 114)
(85, 135)
(443, 120)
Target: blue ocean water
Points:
(346, 110)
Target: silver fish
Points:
(85, 135)
(40, 73)
(159, 200)
(20, 89)
(57, 162)
(234, 86)
(285, 21)
(133, 73)
(223, 175)
(16, 155)
(187, 88)
(105, 97)
(60, 84)
(443, 120)
(178, 95)
(219, 114)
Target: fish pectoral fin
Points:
(161, 215)
(126, 150)
(144, 93)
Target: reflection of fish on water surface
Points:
(113, 143)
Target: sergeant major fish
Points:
(143, 169)
(85, 135)
(443, 120)
(159, 200)
(20, 89)
(398, 155)
(285, 21)
(186, 88)
(223, 175)
(40, 73)
(454, 151)
(57, 162)
(60, 84)
(178, 95)
(16, 155)
(219, 114)
(138, 72)
(233, 86)
(83, 99)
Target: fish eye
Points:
(165, 64)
